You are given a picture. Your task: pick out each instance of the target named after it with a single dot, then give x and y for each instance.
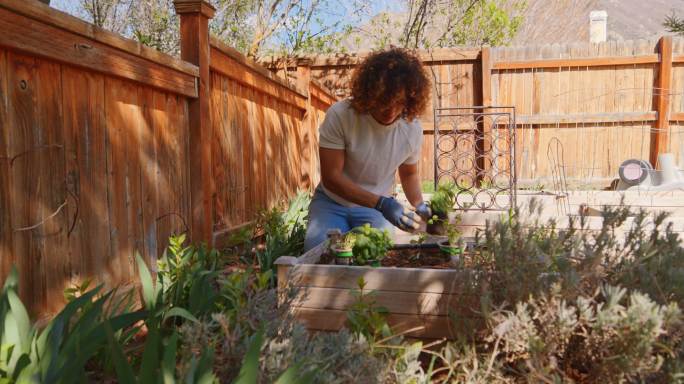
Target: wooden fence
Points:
(604, 102)
(107, 147)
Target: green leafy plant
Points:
(420, 239)
(443, 200)
(77, 290)
(158, 357)
(188, 276)
(452, 247)
(283, 232)
(159, 362)
(452, 231)
(238, 289)
(370, 244)
(365, 318)
(60, 351)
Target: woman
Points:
(364, 140)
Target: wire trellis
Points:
(474, 148)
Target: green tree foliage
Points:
(436, 23)
(155, 24)
(291, 27)
(254, 27)
(674, 24)
(284, 27)
(150, 22)
(113, 15)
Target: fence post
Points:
(660, 135)
(303, 84)
(194, 44)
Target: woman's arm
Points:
(332, 164)
(410, 182)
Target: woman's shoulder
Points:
(342, 107)
(413, 127)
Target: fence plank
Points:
(51, 244)
(28, 35)
(240, 72)
(248, 149)
(53, 17)
(483, 145)
(85, 138)
(150, 120)
(22, 115)
(172, 165)
(7, 258)
(177, 166)
(119, 97)
(584, 62)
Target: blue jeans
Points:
(326, 214)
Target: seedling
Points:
(342, 249)
(441, 204)
(452, 247)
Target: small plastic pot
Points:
(343, 256)
(437, 227)
(374, 263)
(451, 252)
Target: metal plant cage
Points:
(474, 147)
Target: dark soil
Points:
(417, 258)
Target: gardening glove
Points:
(397, 214)
(423, 210)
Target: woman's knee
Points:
(324, 214)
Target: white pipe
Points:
(669, 172)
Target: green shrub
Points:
(611, 337)
(519, 258)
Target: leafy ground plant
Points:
(611, 337)
(283, 232)
(633, 332)
(60, 351)
(366, 318)
(188, 276)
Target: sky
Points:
(337, 10)
(64, 5)
(377, 6)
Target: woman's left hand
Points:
(423, 210)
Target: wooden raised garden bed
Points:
(430, 296)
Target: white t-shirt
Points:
(373, 151)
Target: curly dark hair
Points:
(385, 74)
